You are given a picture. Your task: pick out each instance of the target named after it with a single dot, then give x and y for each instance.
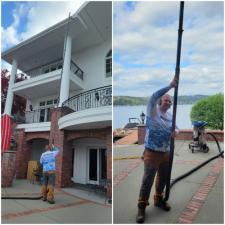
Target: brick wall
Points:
(23, 154)
(141, 134)
(34, 135)
(185, 134)
(8, 168)
(64, 159)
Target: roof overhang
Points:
(89, 26)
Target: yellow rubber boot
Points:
(44, 192)
(50, 195)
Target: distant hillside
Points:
(128, 100)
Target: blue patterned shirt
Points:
(48, 159)
(158, 124)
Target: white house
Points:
(69, 96)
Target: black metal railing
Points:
(90, 99)
(38, 116)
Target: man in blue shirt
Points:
(47, 160)
(157, 147)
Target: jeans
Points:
(47, 188)
(154, 162)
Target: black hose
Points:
(21, 197)
(215, 139)
(195, 169)
(201, 165)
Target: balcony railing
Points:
(38, 116)
(55, 65)
(90, 99)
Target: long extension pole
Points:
(177, 74)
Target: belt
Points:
(152, 150)
(50, 172)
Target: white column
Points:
(9, 98)
(65, 80)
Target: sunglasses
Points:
(168, 101)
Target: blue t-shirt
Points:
(48, 159)
(158, 124)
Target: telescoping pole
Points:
(177, 74)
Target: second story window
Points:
(108, 64)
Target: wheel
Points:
(206, 150)
(192, 150)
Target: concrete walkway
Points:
(89, 207)
(196, 199)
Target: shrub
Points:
(211, 110)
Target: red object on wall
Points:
(5, 132)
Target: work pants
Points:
(154, 162)
(47, 189)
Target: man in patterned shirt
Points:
(47, 160)
(157, 149)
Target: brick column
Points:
(22, 154)
(141, 134)
(64, 159)
(109, 160)
(8, 168)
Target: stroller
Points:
(199, 140)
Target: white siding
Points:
(92, 62)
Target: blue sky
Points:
(22, 19)
(145, 45)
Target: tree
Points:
(19, 103)
(211, 110)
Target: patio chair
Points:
(37, 175)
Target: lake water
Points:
(121, 115)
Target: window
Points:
(42, 115)
(45, 112)
(108, 64)
(49, 102)
(42, 103)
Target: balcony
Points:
(35, 120)
(55, 65)
(90, 99)
(92, 109)
(45, 80)
(38, 116)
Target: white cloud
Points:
(39, 16)
(145, 43)
(52, 12)
(9, 37)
